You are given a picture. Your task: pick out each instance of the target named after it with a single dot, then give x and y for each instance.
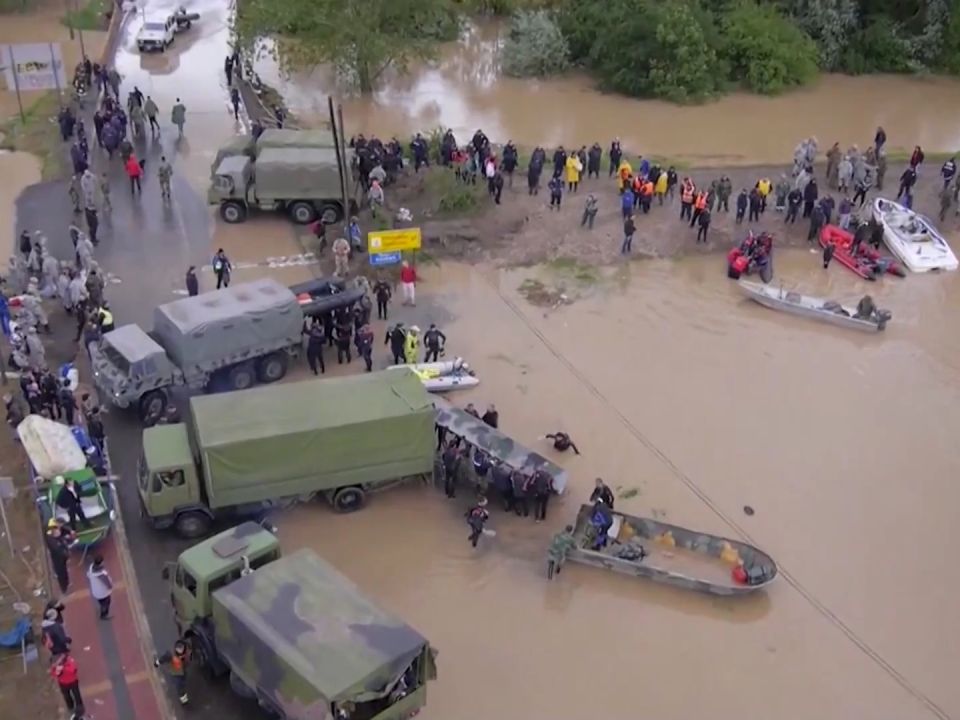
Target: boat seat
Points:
(91, 509)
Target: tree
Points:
(831, 23)
(764, 49)
(681, 66)
(361, 37)
(534, 47)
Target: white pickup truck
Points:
(158, 31)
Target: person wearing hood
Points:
(844, 174)
(573, 169)
(53, 634)
(396, 338)
(810, 194)
(411, 346)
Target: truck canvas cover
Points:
(307, 637)
(496, 444)
(297, 438)
(218, 328)
(291, 173)
(282, 138)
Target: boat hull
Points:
(933, 253)
(770, 298)
(658, 565)
(438, 377)
(864, 262)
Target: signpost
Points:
(386, 247)
(33, 66)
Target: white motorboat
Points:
(444, 376)
(813, 307)
(913, 238)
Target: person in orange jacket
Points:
(687, 190)
(646, 195)
(134, 170)
(699, 205)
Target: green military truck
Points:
(295, 635)
(247, 452)
(297, 171)
(224, 339)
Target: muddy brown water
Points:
(673, 385)
(464, 90)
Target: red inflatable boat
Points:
(867, 263)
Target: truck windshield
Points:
(114, 357)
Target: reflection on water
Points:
(463, 90)
(676, 388)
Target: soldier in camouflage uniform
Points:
(105, 192)
(559, 549)
(164, 173)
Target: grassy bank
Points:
(39, 134)
(88, 15)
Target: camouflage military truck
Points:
(295, 635)
(500, 447)
(226, 338)
(273, 138)
(273, 446)
(303, 182)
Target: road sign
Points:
(389, 241)
(33, 66)
(384, 258)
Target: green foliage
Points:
(949, 59)
(451, 196)
(830, 23)
(501, 8)
(878, 48)
(765, 50)
(535, 46)
(361, 37)
(682, 65)
(89, 15)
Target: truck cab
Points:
(157, 33)
(207, 567)
(169, 483)
(232, 179)
(131, 369)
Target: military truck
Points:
(247, 452)
(272, 138)
(230, 338)
(304, 182)
(293, 634)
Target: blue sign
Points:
(387, 258)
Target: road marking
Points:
(280, 261)
(106, 686)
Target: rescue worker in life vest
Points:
(562, 442)
(177, 661)
(435, 341)
(411, 346)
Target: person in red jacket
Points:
(408, 280)
(134, 172)
(64, 671)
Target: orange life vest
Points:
(687, 194)
(701, 201)
(648, 188)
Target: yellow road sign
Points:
(387, 241)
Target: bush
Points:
(879, 48)
(534, 47)
(683, 64)
(765, 50)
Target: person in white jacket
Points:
(101, 585)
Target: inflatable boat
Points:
(813, 307)
(96, 500)
(669, 554)
(868, 263)
(913, 238)
(444, 376)
(754, 254)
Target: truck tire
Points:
(151, 407)
(192, 525)
(272, 367)
(331, 213)
(349, 499)
(233, 212)
(242, 377)
(302, 212)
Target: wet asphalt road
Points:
(145, 247)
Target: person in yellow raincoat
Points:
(623, 174)
(411, 346)
(660, 189)
(573, 169)
(763, 187)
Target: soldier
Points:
(477, 517)
(542, 488)
(164, 173)
(84, 252)
(521, 492)
(75, 193)
(16, 273)
(396, 336)
(105, 192)
(435, 341)
(177, 661)
(559, 549)
(51, 273)
(95, 285)
(315, 338)
(383, 292)
(151, 110)
(35, 348)
(365, 345)
(341, 254)
(344, 331)
(34, 308)
(178, 116)
(452, 461)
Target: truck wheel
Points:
(331, 213)
(242, 378)
(233, 212)
(272, 367)
(152, 406)
(191, 525)
(302, 212)
(349, 499)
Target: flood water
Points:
(672, 385)
(463, 90)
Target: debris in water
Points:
(747, 510)
(536, 293)
(629, 493)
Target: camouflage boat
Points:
(497, 445)
(670, 554)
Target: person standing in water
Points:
(477, 517)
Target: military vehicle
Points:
(230, 337)
(295, 635)
(294, 171)
(275, 446)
